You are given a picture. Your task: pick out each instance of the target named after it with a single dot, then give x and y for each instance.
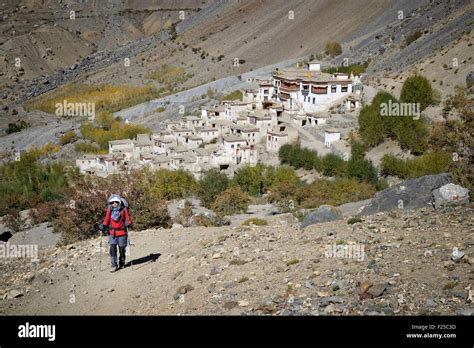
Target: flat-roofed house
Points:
(232, 148)
(309, 89)
(144, 143)
(191, 122)
(123, 146)
(192, 141)
(207, 134)
(180, 134)
(250, 95)
(232, 109)
(316, 119)
(247, 132)
(89, 164)
(213, 114)
(280, 135)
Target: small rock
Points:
(243, 303)
(110, 290)
(377, 290)
(457, 255)
(430, 303)
(365, 286)
(230, 304)
(184, 289)
(216, 270)
(12, 294)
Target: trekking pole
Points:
(100, 250)
(130, 249)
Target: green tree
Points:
(211, 184)
(417, 89)
(251, 179)
(333, 165)
(231, 201)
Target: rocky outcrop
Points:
(450, 194)
(410, 194)
(324, 213)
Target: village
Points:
(295, 104)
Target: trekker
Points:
(118, 220)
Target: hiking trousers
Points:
(122, 244)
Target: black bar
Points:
(223, 330)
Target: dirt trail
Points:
(274, 269)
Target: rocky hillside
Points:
(279, 269)
(206, 36)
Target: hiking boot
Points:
(113, 269)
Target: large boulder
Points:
(323, 214)
(450, 194)
(410, 194)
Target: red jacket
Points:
(117, 228)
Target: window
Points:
(333, 89)
(231, 146)
(314, 100)
(344, 89)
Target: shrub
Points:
(251, 179)
(255, 221)
(170, 76)
(211, 184)
(417, 89)
(333, 165)
(335, 192)
(371, 124)
(67, 138)
(172, 184)
(86, 148)
(210, 220)
(231, 201)
(85, 205)
(412, 37)
(235, 95)
(14, 221)
(411, 134)
(363, 170)
(185, 214)
(17, 126)
(44, 212)
(333, 48)
(353, 220)
(433, 162)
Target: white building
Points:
(331, 135)
(308, 89)
(233, 145)
(232, 109)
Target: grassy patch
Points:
(354, 220)
(450, 285)
(170, 76)
(235, 95)
(292, 262)
(255, 221)
(237, 262)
